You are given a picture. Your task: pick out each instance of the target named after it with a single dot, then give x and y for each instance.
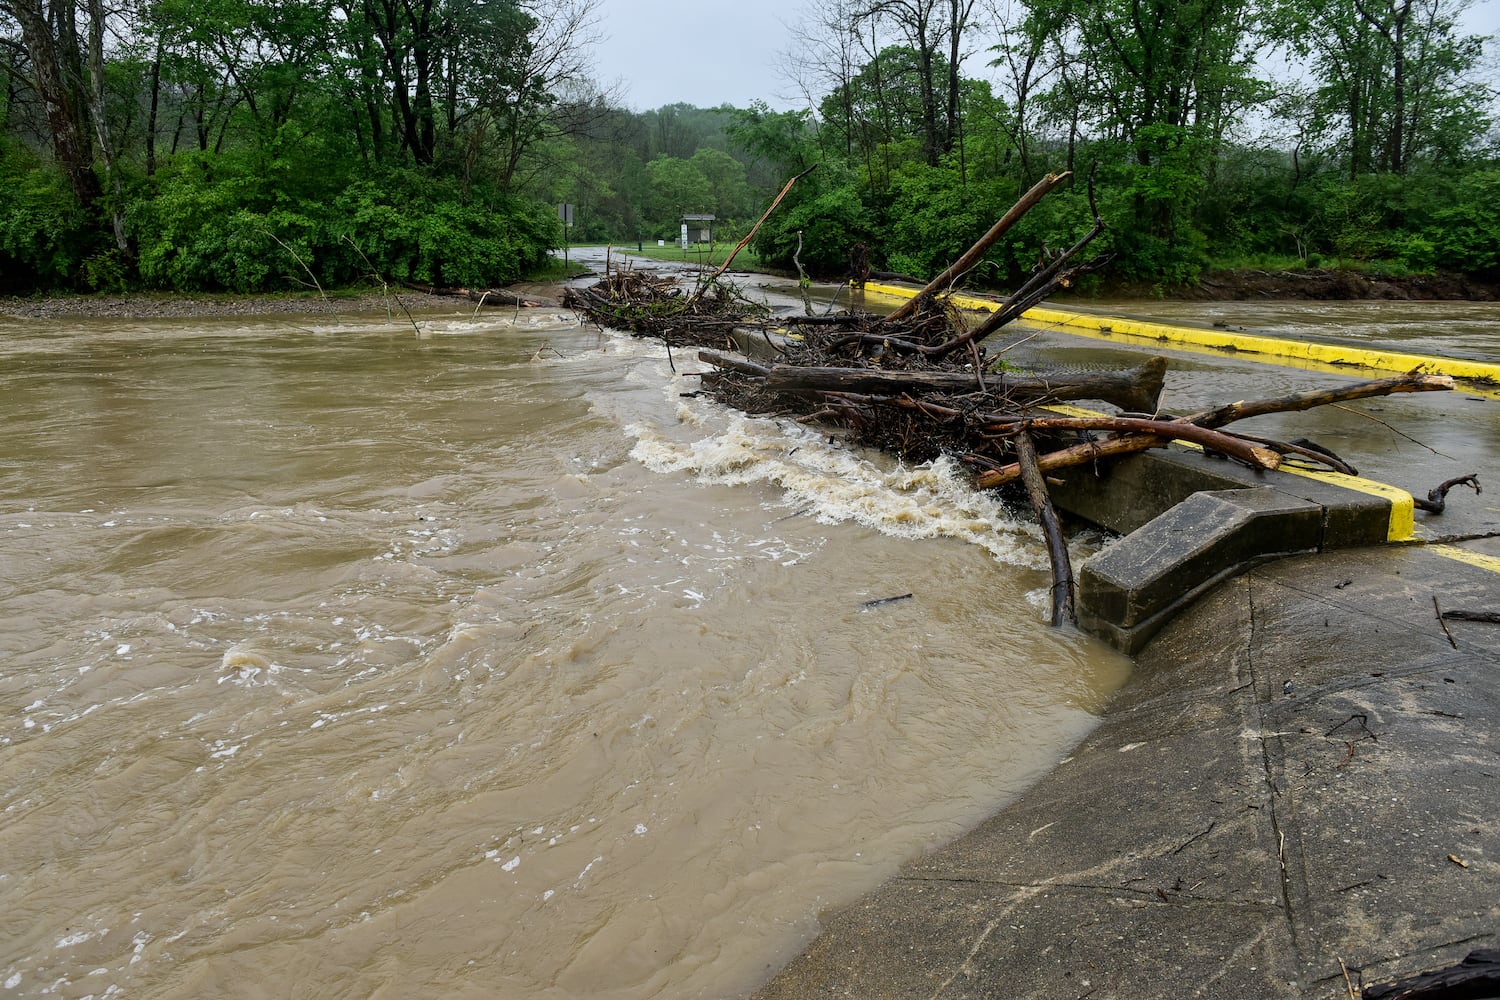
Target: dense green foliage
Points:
(246, 145)
(1378, 150)
(250, 145)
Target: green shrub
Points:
(44, 235)
(1464, 234)
(202, 235)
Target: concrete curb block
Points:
(1131, 588)
(1190, 522)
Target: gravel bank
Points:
(163, 306)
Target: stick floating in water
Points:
(885, 600)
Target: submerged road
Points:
(1294, 796)
(1413, 442)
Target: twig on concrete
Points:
(1364, 724)
(1489, 617)
(1387, 426)
(1439, 612)
(1181, 847)
(1437, 498)
(1348, 756)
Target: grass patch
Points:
(709, 255)
(555, 270)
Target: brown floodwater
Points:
(338, 661)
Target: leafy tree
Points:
(44, 235)
(1149, 88)
(785, 142)
(886, 104)
(932, 31)
(676, 187)
(828, 222)
(726, 183)
(1395, 83)
(53, 41)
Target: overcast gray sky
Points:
(702, 52)
(708, 53)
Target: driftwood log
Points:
(500, 297)
(753, 230)
(479, 296)
(1090, 451)
(1208, 437)
(734, 363)
(1137, 389)
(1063, 588)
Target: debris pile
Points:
(920, 383)
(647, 305)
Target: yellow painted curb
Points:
(1479, 559)
(1269, 348)
(1402, 523)
(1402, 526)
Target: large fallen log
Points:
(1178, 430)
(1413, 381)
(1136, 390)
(1090, 451)
(734, 363)
(501, 297)
(480, 296)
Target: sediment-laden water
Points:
(337, 661)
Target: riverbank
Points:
(151, 305)
(1305, 284)
(1331, 283)
(163, 305)
(1223, 286)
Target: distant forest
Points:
(254, 145)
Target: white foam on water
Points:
(835, 483)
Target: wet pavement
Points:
(1293, 797)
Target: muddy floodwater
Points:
(338, 661)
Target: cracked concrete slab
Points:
(1298, 784)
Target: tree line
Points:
(258, 144)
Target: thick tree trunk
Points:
(51, 40)
(1136, 390)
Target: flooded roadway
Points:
(1413, 441)
(343, 662)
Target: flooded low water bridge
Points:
(343, 660)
